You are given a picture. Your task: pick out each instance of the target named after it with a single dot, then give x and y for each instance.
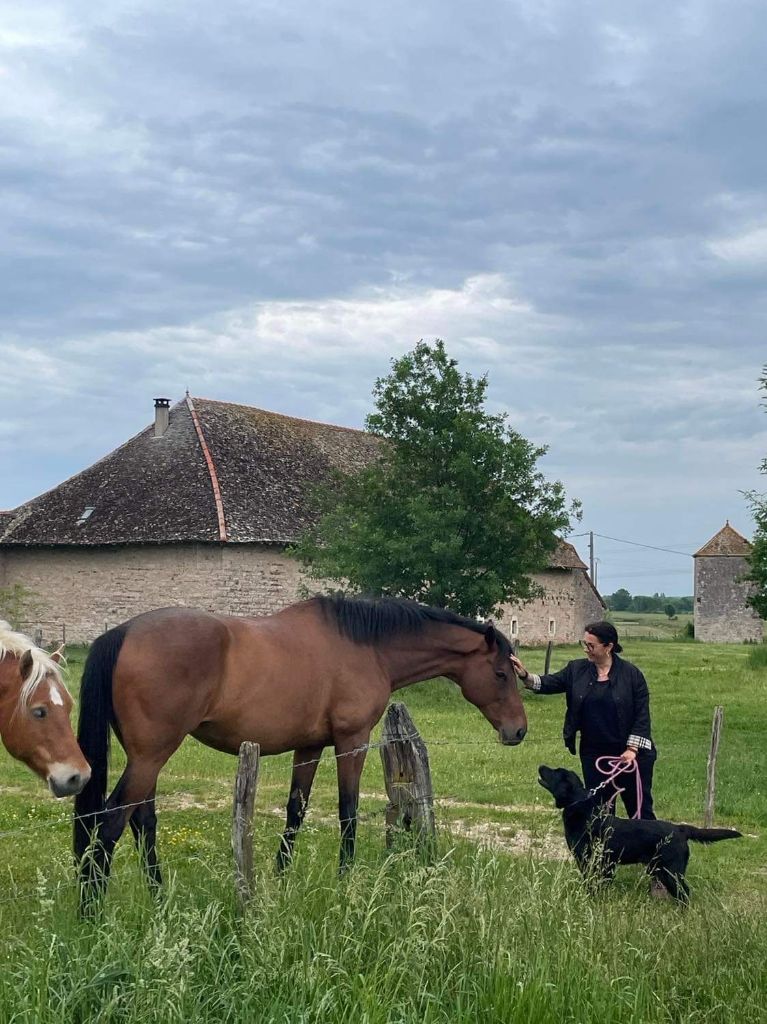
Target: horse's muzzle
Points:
(512, 737)
(68, 783)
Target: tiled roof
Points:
(220, 472)
(726, 542)
(565, 556)
(6, 518)
(267, 463)
(161, 489)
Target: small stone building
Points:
(569, 601)
(721, 612)
(197, 510)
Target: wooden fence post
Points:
(242, 820)
(549, 649)
(716, 732)
(407, 777)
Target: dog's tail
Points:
(709, 835)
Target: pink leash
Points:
(615, 767)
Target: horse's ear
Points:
(58, 655)
(491, 638)
(25, 665)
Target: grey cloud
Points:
(169, 169)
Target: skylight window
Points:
(86, 514)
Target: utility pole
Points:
(591, 555)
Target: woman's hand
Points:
(629, 754)
(519, 668)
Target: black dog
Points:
(600, 841)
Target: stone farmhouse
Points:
(722, 615)
(197, 509)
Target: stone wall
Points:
(721, 612)
(88, 590)
(85, 591)
(569, 603)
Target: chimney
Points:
(161, 414)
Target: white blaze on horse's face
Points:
(50, 750)
(41, 733)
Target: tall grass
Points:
(474, 936)
(757, 656)
(480, 934)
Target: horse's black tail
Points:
(96, 717)
(710, 835)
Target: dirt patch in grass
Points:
(469, 805)
(493, 835)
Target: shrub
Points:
(19, 605)
(757, 656)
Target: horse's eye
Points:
(39, 712)
(501, 675)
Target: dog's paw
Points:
(658, 890)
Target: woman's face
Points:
(593, 647)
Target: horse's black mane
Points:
(368, 620)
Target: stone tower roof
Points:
(726, 542)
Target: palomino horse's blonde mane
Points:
(43, 664)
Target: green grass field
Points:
(652, 625)
(498, 928)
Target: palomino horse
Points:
(318, 673)
(34, 714)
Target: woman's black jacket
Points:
(630, 693)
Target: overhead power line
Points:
(636, 544)
(641, 575)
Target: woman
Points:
(609, 704)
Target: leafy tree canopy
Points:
(620, 601)
(455, 513)
(758, 559)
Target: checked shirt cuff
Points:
(533, 682)
(640, 742)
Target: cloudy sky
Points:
(266, 202)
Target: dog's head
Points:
(565, 786)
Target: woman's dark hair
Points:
(605, 632)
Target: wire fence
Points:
(329, 759)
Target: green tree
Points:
(757, 573)
(19, 606)
(670, 610)
(454, 513)
(620, 601)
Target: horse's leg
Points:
(143, 823)
(351, 761)
(136, 783)
(305, 762)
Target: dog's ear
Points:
(565, 788)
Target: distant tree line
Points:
(623, 601)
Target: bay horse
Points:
(34, 714)
(318, 673)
